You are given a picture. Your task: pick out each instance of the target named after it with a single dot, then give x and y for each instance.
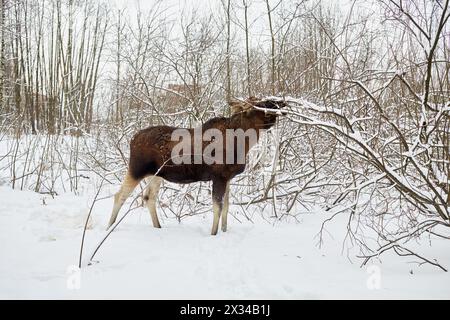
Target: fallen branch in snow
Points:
(403, 252)
(87, 221)
(89, 215)
(113, 227)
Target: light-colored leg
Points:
(128, 185)
(217, 207)
(218, 193)
(150, 195)
(225, 207)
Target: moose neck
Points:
(248, 121)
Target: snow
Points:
(40, 240)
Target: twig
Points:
(87, 221)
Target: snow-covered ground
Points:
(40, 239)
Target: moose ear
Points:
(238, 106)
(235, 106)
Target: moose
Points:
(152, 149)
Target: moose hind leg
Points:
(217, 208)
(218, 193)
(225, 207)
(128, 185)
(150, 195)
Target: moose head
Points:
(264, 110)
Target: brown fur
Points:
(151, 151)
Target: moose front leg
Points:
(150, 197)
(218, 192)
